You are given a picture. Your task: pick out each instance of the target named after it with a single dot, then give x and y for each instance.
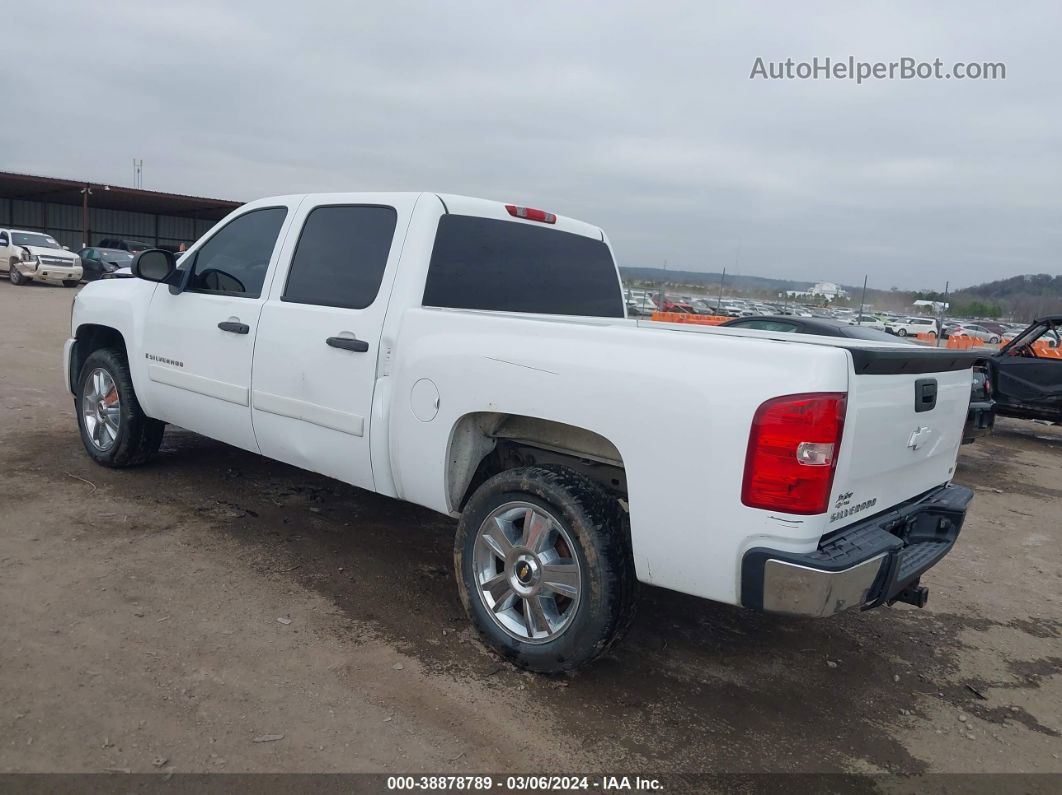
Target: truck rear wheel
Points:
(544, 567)
(114, 430)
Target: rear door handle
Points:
(348, 344)
(235, 328)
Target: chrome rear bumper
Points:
(864, 565)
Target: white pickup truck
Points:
(474, 357)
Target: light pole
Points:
(85, 193)
(943, 311)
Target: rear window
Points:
(482, 263)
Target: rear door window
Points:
(483, 263)
(341, 256)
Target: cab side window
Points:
(3, 239)
(235, 260)
(341, 255)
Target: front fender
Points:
(121, 305)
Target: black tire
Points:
(71, 282)
(902, 332)
(592, 519)
(14, 274)
(139, 436)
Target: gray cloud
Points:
(639, 117)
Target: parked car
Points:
(135, 246)
(1026, 374)
(909, 326)
(103, 263)
(974, 330)
(676, 306)
(869, 321)
(474, 358)
(37, 257)
(980, 416)
(994, 327)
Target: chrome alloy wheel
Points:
(527, 572)
(101, 410)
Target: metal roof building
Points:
(78, 213)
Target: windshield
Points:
(34, 239)
(116, 255)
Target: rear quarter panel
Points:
(678, 407)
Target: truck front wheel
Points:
(544, 567)
(14, 274)
(114, 430)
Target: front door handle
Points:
(348, 344)
(235, 328)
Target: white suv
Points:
(35, 256)
(904, 327)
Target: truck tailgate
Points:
(902, 431)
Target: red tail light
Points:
(531, 214)
(792, 453)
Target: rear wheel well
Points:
(91, 337)
(486, 443)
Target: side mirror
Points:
(154, 265)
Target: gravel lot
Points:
(215, 611)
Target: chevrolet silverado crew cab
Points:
(37, 257)
(476, 358)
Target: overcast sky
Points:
(639, 117)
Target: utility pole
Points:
(862, 301)
(943, 311)
(85, 193)
(722, 279)
(663, 287)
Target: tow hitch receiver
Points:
(913, 594)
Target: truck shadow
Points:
(695, 686)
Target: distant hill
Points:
(698, 278)
(1024, 297)
(1018, 297)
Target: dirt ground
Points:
(140, 627)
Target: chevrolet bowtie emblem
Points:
(919, 437)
